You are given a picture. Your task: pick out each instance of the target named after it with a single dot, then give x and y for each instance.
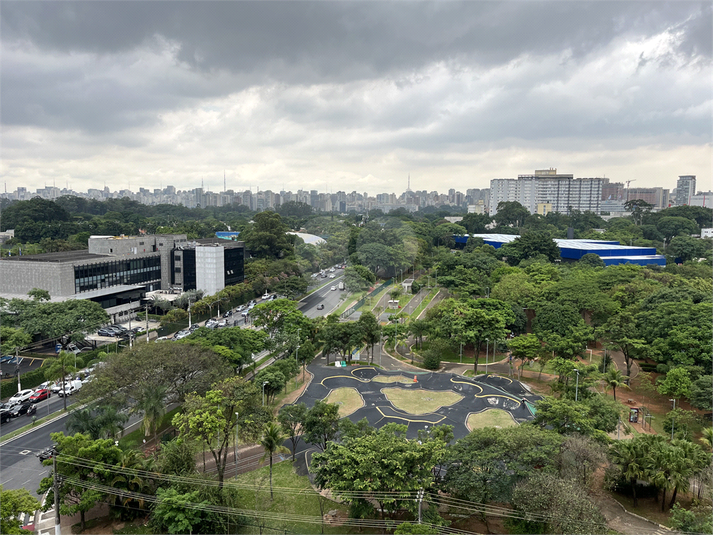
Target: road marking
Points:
(25, 452)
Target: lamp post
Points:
(297, 351)
(576, 386)
(381, 342)
(237, 416)
(590, 355)
(672, 419)
(487, 292)
(487, 349)
(461, 352)
(419, 495)
(147, 323)
(263, 392)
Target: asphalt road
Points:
(44, 408)
(330, 298)
(26, 364)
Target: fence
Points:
(348, 312)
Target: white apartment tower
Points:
(546, 188)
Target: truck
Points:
(341, 285)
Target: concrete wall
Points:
(17, 277)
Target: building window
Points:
(177, 258)
(177, 270)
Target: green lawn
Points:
(347, 398)
(349, 301)
(450, 355)
(300, 499)
(490, 418)
(426, 300)
(420, 401)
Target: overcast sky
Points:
(344, 96)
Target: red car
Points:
(40, 394)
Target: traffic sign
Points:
(57, 348)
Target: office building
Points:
(685, 189)
(117, 271)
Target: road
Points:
(326, 296)
(44, 408)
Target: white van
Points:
(70, 387)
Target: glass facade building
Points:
(90, 277)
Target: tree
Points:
(701, 393)
(291, 419)
(321, 424)
(74, 497)
(699, 519)
(622, 332)
(592, 260)
(383, 466)
(677, 383)
(406, 528)
(419, 328)
(628, 456)
(152, 403)
(676, 226)
(370, 331)
(271, 441)
(76, 318)
(687, 248)
(638, 208)
(615, 379)
(358, 278)
(12, 504)
(485, 465)
(530, 244)
(526, 347)
(176, 457)
(563, 503)
(267, 236)
(12, 339)
(510, 213)
(211, 418)
(564, 415)
(177, 512)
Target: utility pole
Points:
(147, 323)
(297, 351)
(419, 495)
(487, 350)
(237, 424)
(130, 334)
(55, 491)
(17, 368)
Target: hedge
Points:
(29, 380)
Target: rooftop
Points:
(66, 256)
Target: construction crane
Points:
(627, 188)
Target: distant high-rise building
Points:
(685, 189)
(658, 197)
(562, 192)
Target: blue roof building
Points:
(611, 252)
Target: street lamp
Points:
(297, 351)
(672, 419)
(487, 350)
(576, 387)
(419, 495)
(263, 392)
(590, 355)
(487, 292)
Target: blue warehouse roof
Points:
(612, 252)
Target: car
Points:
(332, 275)
(5, 414)
(240, 308)
(45, 453)
(223, 323)
(228, 314)
(8, 359)
(320, 306)
(70, 387)
(40, 394)
(23, 408)
(181, 334)
(331, 270)
(139, 329)
(21, 397)
(333, 289)
(106, 332)
(193, 327)
(119, 328)
(163, 339)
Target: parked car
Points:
(228, 314)
(139, 329)
(8, 359)
(20, 397)
(40, 394)
(193, 327)
(320, 306)
(331, 270)
(119, 328)
(23, 408)
(222, 323)
(332, 275)
(181, 334)
(106, 332)
(333, 289)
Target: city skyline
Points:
(351, 96)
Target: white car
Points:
(222, 323)
(331, 270)
(21, 396)
(332, 276)
(333, 288)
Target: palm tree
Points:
(110, 421)
(614, 379)
(151, 403)
(628, 455)
(272, 438)
(59, 368)
(83, 421)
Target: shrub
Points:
(431, 359)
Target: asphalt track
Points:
(482, 393)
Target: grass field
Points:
(451, 355)
(293, 496)
(490, 418)
(420, 401)
(392, 379)
(348, 400)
